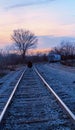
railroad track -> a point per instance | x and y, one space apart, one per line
32 106
62 83
7 84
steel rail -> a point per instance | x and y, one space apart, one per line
63 105
10 98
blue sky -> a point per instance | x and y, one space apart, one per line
51 20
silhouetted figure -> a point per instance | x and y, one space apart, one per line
29 64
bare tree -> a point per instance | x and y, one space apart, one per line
24 40
66 49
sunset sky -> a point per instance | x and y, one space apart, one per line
51 20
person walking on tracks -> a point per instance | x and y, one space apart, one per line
29 64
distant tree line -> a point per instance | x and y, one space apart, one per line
8 61
66 50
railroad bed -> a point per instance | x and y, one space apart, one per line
7 84
33 107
